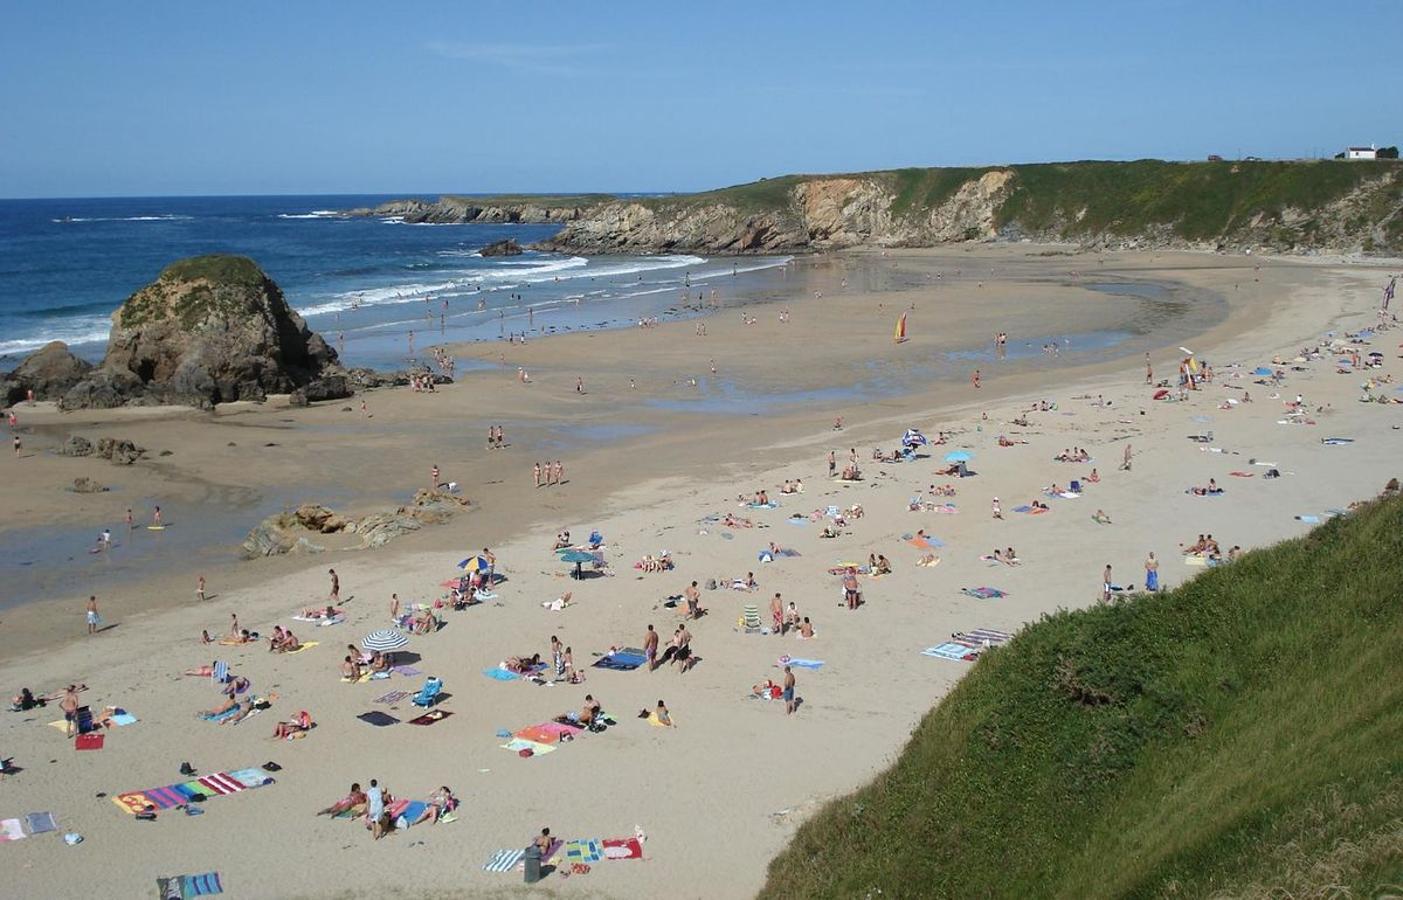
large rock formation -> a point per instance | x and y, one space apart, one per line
495 210
285 532
508 247
49 372
210 329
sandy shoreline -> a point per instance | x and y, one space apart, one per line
649 479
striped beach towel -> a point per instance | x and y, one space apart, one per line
181 887
584 851
221 672
503 860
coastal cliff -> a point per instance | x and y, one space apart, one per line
1301 207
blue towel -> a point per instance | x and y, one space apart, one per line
500 674
805 663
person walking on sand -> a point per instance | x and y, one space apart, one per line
19 448
335 595
131 522
789 704
1106 584
536 471
1151 573
998 513
433 477
200 589
776 613
974 379
559 472
579 385
832 463
93 618
156 517
1149 371
1125 460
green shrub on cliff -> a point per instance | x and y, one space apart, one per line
1239 735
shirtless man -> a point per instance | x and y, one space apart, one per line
850 589
335 586
789 705
69 705
93 617
832 463
777 614
650 648
693 601
684 648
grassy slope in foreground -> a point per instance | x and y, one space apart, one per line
1240 735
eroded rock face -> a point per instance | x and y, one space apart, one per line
86 485
49 372
211 329
121 451
509 247
285 532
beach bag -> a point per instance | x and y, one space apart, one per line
711 584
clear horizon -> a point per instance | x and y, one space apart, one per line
355 98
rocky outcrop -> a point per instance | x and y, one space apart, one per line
328 387
119 450
285 532
498 210
86 485
211 329
76 445
49 372
508 247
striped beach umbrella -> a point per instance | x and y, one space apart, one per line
475 564
384 640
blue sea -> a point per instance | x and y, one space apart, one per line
364 283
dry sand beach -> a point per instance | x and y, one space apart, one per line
651 465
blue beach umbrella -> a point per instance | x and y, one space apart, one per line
1262 372
958 456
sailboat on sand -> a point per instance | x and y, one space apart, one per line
900 336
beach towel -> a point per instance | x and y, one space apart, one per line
408 671
798 663
590 850
219 717
40 823
952 650
503 861
979 635
1023 509
220 673
431 718
378 719
516 745
984 593
123 718
90 741
560 728
11 830
1309 520
305 645
1336 441
539 734
622 848
392 697
621 661
182 887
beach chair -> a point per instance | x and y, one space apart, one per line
85 720
750 618
428 694
1074 487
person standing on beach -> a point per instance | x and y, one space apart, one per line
559 472
650 648
1106 584
1125 462
156 517
832 463
200 589
433 477
998 513
93 617
1149 371
789 704
693 598
579 385
335 595
537 473
974 379
1152 573
69 705
18 447
131 522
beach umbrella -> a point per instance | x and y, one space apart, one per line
384 640
475 564
913 437
958 456
579 558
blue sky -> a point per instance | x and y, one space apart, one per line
154 98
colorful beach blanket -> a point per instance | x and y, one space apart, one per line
431 718
983 593
173 795
953 650
625 660
11 830
589 850
516 745
622 848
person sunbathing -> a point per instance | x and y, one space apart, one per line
1101 517
228 704
522 664
766 690
731 521
952 469
1038 504
298 724
1010 557
589 712
441 802
806 629
379 662
244 708
422 621
1021 421
851 473
928 561
560 602
1094 477
356 797
829 532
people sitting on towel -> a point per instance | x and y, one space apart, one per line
522 664
952 469
1094 477
298 724
282 640
944 490
851 473
1038 504
440 803
761 498
589 712
25 701
422 621
379 662
350 668
1052 491
829 532
356 797
806 628
1210 490
1101 517
789 487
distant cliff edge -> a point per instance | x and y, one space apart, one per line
1301 207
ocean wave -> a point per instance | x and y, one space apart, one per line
314 214
165 217
76 331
